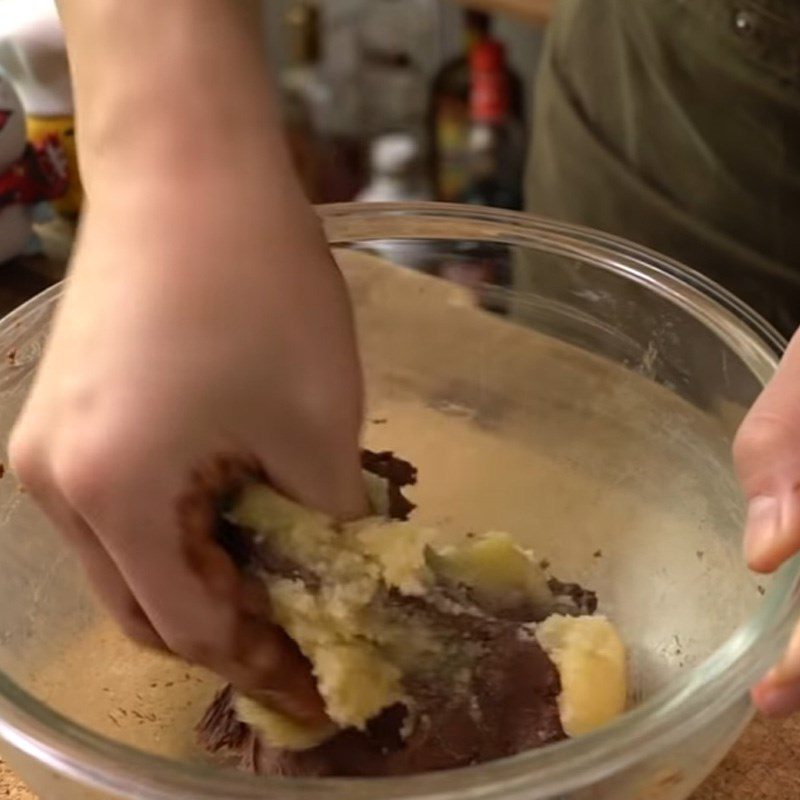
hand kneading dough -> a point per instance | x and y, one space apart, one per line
591 664
356 647
346 593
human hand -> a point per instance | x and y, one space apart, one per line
192 331
767 455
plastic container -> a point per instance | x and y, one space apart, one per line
593 421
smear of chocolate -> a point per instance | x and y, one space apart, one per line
397 473
212 487
221 729
511 707
572 599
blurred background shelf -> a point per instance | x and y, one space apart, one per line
354 72
537 12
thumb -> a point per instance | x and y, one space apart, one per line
767 457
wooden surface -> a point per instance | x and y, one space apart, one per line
11 787
764 765
537 12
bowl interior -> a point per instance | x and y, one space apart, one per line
589 412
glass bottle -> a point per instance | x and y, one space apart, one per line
496 143
448 119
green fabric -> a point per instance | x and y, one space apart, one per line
676 124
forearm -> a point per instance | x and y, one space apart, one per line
173 93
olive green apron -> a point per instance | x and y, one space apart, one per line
676 124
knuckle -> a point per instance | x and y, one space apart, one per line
88 466
80 475
25 458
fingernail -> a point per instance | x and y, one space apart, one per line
762 529
777 701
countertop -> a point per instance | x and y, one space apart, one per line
764 765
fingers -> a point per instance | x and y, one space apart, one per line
306 477
168 585
778 694
104 577
202 606
267 663
197 607
103 574
277 673
316 466
107 581
767 456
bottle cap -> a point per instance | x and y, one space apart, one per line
478 23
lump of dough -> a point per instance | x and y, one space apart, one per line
384 613
501 575
402 550
328 585
591 664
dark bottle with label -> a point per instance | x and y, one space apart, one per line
449 115
496 142
496 146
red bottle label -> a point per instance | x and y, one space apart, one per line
490 101
489 95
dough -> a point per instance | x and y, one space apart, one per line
427 656
590 659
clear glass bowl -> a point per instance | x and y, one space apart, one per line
589 412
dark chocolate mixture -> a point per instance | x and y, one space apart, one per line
510 706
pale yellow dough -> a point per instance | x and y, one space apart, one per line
590 659
356 648
501 574
360 645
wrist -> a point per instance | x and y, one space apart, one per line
217 217
213 210
168 86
